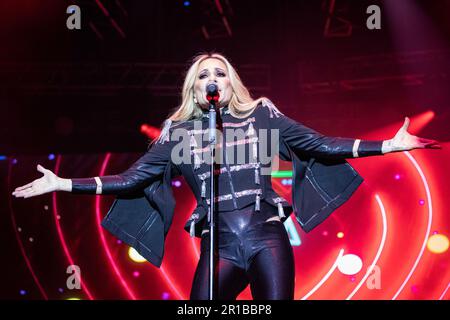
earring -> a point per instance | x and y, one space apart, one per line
195 100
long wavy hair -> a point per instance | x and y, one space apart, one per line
241 102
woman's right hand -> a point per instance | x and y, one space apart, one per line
48 183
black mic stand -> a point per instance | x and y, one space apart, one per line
212 146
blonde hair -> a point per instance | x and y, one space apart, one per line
241 102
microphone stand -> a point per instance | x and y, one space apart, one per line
212 145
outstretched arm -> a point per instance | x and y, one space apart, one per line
303 139
146 169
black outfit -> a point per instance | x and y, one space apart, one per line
251 251
322 181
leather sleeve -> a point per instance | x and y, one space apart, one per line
144 171
302 139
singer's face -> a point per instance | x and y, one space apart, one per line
212 71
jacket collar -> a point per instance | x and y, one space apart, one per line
223 111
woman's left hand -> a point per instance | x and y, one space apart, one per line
404 141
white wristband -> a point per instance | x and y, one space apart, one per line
99 185
355 148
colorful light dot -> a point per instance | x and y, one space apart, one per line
421 202
14 161
51 156
45 207
119 241
325 233
58 217
340 235
19 229
350 264
136 274
135 256
414 289
61 290
165 296
438 243
397 177
176 183
22 292
31 239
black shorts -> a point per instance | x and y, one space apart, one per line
242 234
251 251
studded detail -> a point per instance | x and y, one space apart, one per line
258 202
193 144
203 189
232 169
193 217
199 131
164 136
197 161
238 124
223 110
278 201
255 150
281 210
236 194
193 141
250 131
253 140
257 175
273 110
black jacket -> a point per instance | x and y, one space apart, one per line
142 212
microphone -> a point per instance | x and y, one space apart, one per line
212 92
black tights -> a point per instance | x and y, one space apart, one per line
251 251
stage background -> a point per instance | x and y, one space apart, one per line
75 100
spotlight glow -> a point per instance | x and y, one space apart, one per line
176 183
135 256
165 296
438 243
350 264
